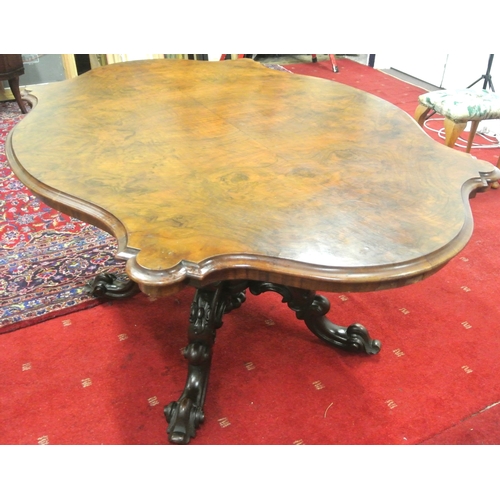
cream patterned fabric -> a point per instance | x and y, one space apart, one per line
463 105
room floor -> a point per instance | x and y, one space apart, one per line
306 58
285 59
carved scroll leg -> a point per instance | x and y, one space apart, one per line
186 415
209 305
312 308
110 286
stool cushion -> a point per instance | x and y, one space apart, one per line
463 105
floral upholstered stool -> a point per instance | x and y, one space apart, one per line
458 108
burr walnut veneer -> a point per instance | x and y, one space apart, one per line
227 176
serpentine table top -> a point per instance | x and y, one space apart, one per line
231 172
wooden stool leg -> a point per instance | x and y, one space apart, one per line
495 184
472 133
421 114
14 87
452 131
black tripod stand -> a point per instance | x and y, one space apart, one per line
487 77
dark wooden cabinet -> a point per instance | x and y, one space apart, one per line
11 68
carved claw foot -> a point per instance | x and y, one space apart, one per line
312 308
110 286
185 415
354 338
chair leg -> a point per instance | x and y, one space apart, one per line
333 61
452 131
14 87
335 68
472 133
421 114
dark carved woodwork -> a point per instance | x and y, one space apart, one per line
312 308
111 286
11 68
209 305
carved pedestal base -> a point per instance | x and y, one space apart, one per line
210 304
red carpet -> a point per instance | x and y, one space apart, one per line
103 375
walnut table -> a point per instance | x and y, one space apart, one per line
227 176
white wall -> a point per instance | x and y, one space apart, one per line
442 70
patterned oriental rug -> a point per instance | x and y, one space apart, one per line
46 258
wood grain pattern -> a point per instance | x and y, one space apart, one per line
229 170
